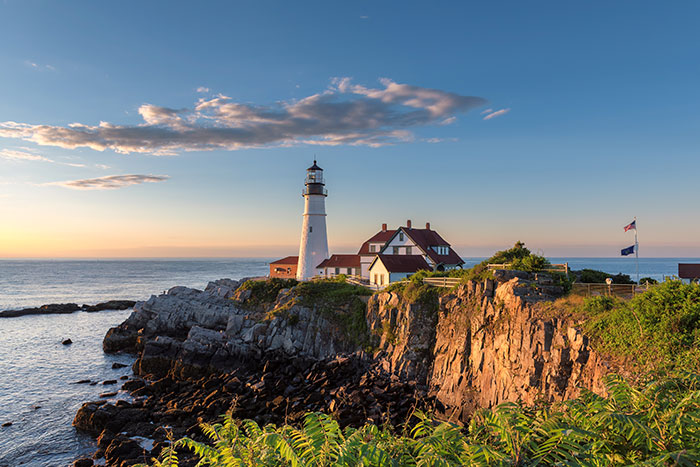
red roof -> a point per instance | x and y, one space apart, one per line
341 261
287 260
381 237
402 263
426 238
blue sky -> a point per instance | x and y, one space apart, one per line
599 123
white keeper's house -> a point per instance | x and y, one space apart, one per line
388 256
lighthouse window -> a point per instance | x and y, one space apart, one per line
311 228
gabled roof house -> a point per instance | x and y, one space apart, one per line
435 252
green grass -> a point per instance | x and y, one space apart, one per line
655 424
656 331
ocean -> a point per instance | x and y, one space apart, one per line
38 394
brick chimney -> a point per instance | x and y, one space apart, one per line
383 227
408 224
427 226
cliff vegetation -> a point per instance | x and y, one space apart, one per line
657 331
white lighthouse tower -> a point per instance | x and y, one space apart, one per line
314 240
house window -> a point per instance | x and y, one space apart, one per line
408 250
337 270
381 279
396 250
401 236
375 278
349 271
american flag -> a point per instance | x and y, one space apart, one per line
631 225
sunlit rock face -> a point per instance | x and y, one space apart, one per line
487 343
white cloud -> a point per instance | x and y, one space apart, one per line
344 114
202 89
486 111
497 113
21 156
109 182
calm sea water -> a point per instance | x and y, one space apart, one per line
37 373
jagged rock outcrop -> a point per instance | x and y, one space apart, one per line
189 330
404 334
488 343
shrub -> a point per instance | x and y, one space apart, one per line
592 276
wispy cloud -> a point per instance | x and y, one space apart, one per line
495 114
39 67
21 156
202 89
344 114
486 111
110 182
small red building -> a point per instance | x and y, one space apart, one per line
285 268
689 271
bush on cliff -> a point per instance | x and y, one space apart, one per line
657 330
592 276
656 424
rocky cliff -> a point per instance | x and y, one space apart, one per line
201 353
486 343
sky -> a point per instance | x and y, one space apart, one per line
182 129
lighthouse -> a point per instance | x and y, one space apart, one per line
313 248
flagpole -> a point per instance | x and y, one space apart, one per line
636 247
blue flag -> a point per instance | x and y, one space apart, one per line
627 251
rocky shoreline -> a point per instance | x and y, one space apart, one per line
66 308
201 354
